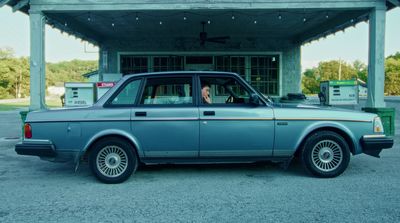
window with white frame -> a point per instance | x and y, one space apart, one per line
167 63
133 64
264 74
234 64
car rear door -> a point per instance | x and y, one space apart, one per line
166 120
236 128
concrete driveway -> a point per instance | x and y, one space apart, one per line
32 190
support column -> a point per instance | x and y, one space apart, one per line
376 61
103 62
37 61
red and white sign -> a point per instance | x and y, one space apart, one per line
105 84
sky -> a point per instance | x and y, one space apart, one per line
349 46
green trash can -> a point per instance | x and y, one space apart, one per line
387 116
23 118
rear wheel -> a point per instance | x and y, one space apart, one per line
113 160
325 154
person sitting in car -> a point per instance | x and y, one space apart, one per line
205 92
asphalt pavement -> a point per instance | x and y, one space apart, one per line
32 190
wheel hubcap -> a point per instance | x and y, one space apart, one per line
327 155
112 161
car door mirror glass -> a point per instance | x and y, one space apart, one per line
254 99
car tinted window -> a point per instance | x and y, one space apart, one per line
223 90
167 91
128 95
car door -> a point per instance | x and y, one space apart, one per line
166 120
232 127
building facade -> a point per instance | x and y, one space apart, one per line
259 39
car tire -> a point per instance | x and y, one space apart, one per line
113 160
325 154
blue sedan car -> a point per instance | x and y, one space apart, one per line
198 117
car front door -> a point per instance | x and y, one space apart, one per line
166 120
230 125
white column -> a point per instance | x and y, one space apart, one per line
376 61
37 61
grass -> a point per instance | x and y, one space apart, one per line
51 103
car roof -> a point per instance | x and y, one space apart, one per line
127 76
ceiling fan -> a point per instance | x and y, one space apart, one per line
204 38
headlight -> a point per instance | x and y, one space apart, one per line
378 127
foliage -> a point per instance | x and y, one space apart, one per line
6 52
14 73
392 76
68 71
14 77
329 70
396 56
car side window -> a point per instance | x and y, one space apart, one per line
223 90
167 91
128 95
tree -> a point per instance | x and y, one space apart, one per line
68 71
361 69
327 70
14 76
395 56
14 73
310 81
392 75
6 53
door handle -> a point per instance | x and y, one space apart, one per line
209 113
141 114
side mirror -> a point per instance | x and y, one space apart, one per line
254 99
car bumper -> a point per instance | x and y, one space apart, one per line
373 144
41 148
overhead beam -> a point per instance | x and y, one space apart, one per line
339 23
20 5
395 2
75 28
88 5
4 2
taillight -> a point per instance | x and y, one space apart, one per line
27 131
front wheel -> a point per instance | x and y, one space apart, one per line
325 154
113 160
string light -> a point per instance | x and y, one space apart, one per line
233 17
65 24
